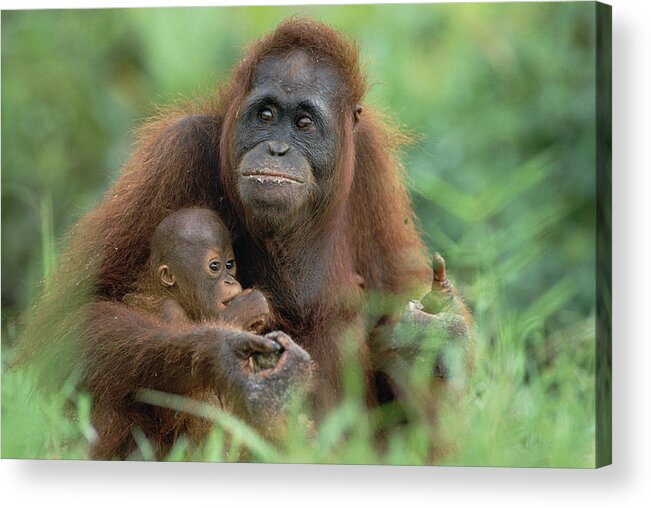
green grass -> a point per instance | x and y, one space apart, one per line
501 421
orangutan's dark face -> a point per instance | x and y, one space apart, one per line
286 139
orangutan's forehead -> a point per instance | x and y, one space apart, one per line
190 229
200 237
296 72
201 231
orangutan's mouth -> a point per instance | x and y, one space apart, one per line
225 303
271 177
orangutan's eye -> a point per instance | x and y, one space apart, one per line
304 122
230 264
214 266
266 115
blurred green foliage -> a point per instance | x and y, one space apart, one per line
500 102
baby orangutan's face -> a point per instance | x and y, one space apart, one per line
218 277
200 269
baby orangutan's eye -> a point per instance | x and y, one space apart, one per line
214 266
230 264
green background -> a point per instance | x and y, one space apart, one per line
499 100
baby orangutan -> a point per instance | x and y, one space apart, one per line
191 278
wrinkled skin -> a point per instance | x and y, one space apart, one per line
286 142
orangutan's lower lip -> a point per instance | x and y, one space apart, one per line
272 178
229 300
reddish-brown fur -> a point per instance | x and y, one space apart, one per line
363 246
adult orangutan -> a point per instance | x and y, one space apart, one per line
307 182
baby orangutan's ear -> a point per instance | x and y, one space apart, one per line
166 276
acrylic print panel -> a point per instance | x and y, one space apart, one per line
332 161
